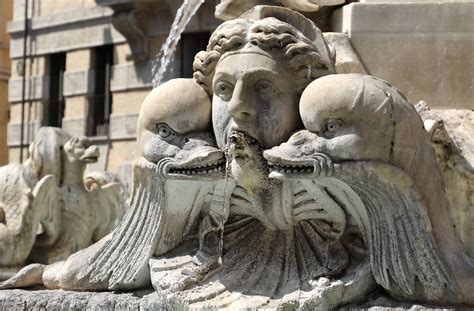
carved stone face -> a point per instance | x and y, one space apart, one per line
253 93
80 149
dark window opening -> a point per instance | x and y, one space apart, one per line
191 44
54 108
100 105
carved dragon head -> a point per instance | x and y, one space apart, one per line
173 132
53 149
80 150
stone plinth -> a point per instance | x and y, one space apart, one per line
425 49
53 300
65 300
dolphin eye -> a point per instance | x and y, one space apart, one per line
332 125
164 131
331 128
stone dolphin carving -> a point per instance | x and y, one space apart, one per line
173 147
363 132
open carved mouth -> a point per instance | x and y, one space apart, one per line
240 138
91 159
241 145
294 168
199 169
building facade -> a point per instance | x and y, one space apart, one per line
89 62
5 16
88 68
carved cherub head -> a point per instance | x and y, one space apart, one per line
275 31
256 67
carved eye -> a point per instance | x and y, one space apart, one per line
84 142
265 87
332 125
164 131
224 90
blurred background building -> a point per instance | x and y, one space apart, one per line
87 63
88 67
5 16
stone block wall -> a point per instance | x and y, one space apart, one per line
425 48
77 27
422 47
5 16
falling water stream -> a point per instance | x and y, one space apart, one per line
163 58
226 207
184 14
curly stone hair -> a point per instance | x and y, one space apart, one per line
281 40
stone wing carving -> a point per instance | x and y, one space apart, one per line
109 204
48 200
18 216
123 258
397 229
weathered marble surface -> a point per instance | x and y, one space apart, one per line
47 210
428 56
293 187
451 133
149 300
230 9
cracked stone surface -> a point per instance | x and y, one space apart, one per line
53 300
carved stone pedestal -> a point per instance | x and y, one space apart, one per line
147 300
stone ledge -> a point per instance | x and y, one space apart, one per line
13 133
55 20
66 37
78 82
384 18
131 76
36 88
64 300
427 58
53 300
122 127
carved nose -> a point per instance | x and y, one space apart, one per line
240 110
240 107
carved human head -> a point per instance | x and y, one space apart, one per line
256 67
169 115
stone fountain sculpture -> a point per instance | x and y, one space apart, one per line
295 187
47 213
